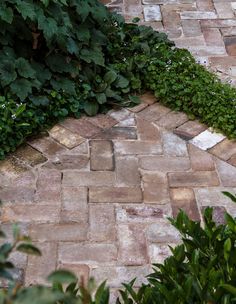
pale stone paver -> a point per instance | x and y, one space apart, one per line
95 193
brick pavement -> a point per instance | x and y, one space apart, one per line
206 27
95 193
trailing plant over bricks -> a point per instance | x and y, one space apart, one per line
66 57
201 270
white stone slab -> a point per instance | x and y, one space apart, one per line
152 13
207 139
198 15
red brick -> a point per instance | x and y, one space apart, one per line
65 162
200 160
213 37
184 198
93 178
132 245
129 147
81 126
38 268
29 156
127 172
66 137
102 121
164 163
227 173
101 155
117 133
58 232
225 149
48 187
115 195
190 129
153 112
93 253
139 214
155 188
147 131
102 223
13 194
30 213
193 179
47 146
172 120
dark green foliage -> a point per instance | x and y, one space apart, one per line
66 57
201 270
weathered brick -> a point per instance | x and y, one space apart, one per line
38 268
232 160
213 37
48 187
119 115
205 5
132 245
173 145
11 168
58 232
102 223
92 253
102 121
147 131
93 178
29 156
115 195
224 10
118 133
172 120
127 172
227 173
138 108
191 28
198 15
164 163
129 147
190 129
47 146
193 179
139 214
162 232
30 213
81 126
225 149
65 162
101 155
200 160
152 13
158 253
66 137
184 198
155 188
153 112
19 195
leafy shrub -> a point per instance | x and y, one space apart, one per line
65 57
200 270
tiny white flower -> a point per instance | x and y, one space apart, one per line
13 116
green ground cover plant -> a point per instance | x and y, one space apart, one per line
67 57
201 270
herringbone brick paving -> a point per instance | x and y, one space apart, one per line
95 193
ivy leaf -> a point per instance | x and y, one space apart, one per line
83 10
7 73
121 82
83 33
24 68
40 100
48 26
101 98
45 2
72 46
6 13
91 108
22 88
26 9
62 277
65 85
29 249
110 77
95 56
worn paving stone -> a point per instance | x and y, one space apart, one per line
127 171
102 121
66 162
164 163
207 139
137 147
29 156
183 198
227 173
200 160
225 149
117 133
92 178
102 158
172 120
153 112
193 179
173 145
66 137
190 129
147 131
